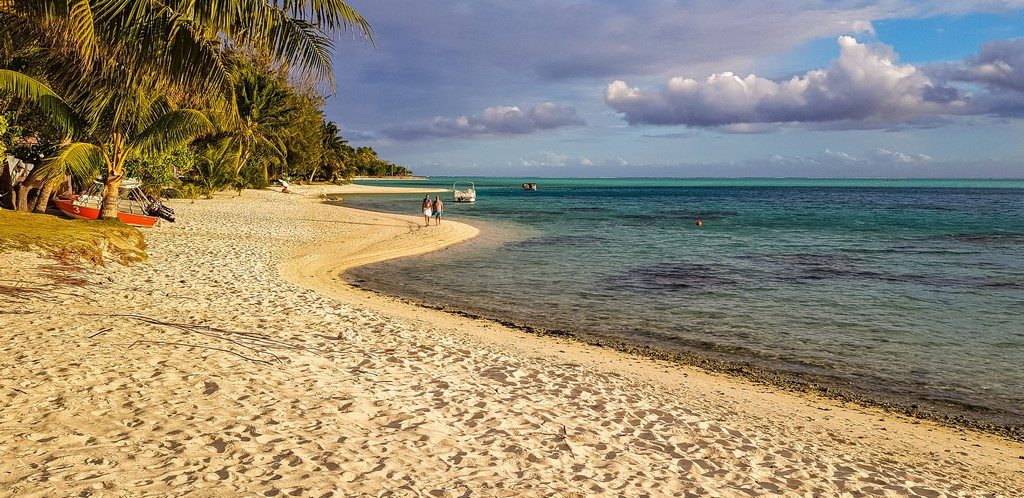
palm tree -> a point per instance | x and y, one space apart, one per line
263 107
333 147
139 124
214 164
148 126
122 66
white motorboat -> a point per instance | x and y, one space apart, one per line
467 194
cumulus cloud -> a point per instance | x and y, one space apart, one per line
494 121
552 159
877 157
865 84
565 162
891 156
999 64
875 163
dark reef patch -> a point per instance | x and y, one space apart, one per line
672 277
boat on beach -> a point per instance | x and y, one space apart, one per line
467 194
134 207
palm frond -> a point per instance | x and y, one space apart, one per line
83 29
190 56
333 15
170 130
25 87
79 160
300 43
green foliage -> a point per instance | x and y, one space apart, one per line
302 141
79 160
161 175
189 97
32 90
185 191
113 74
366 163
214 165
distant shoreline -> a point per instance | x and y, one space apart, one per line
376 178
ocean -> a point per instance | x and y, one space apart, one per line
904 293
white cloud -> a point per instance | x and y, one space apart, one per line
999 64
838 156
493 121
861 26
890 156
877 157
865 84
547 159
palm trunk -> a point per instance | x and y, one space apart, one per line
243 157
43 199
21 201
24 190
8 195
115 173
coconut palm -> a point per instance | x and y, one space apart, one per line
264 107
122 67
330 148
214 165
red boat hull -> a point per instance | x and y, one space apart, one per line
87 213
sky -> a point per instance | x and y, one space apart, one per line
549 88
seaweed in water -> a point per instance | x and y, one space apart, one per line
694 214
560 240
679 276
990 238
807 266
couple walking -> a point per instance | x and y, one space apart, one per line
435 209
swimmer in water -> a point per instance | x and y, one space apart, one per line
699 223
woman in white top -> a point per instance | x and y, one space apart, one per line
428 209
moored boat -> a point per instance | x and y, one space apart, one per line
465 195
133 206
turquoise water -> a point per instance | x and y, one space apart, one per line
906 291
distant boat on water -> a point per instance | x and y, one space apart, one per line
467 194
529 186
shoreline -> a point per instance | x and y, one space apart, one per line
747 367
215 373
737 371
377 178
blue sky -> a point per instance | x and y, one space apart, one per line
688 88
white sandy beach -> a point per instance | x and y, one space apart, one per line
237 362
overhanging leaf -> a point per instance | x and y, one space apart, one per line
170 130
25 87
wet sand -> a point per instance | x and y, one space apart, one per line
237 361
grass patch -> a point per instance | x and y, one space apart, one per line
71 241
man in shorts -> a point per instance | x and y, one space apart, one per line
438 208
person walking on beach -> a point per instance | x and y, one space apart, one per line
428 210
438 208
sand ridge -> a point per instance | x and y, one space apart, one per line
221 372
